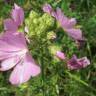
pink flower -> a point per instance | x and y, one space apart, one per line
14 54
60 55
17 18
75 63
68 24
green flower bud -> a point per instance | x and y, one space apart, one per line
48 20
54 48
33 15
35 21
23 86
51 35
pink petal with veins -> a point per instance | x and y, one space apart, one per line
24 70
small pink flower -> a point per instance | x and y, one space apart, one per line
17 18
60 55
14 54
75 63
66 23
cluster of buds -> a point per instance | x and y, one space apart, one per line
39 25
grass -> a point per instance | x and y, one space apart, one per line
55 79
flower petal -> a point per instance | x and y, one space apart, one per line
60 55
74 33
24 70
64 21
47 8
9 63
75 63
4 46
72 22
61 18
10 25
84 61
15 39
5 55
18 14
12 44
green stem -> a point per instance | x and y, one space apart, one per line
42 70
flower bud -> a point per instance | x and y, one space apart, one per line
51 35
54 48
60 55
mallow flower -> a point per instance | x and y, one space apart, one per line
75 63
68 24
14 51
